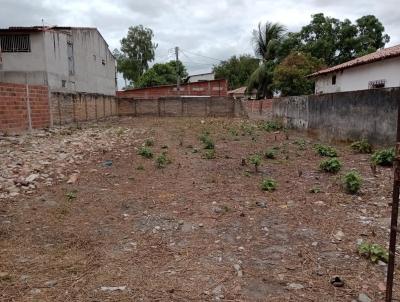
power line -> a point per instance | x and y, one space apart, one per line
196 54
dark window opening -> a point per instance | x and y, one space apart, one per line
15 43
334 80
377 84
71 63
103 62
63 83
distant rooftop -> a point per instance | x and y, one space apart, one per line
378 55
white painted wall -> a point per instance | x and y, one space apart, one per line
201 77
358 78
47 63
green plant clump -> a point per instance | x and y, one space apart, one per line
162 161
325 150
352 182
373 251
207 141
71 195
361 146
301 143
145 152
270 153
331 165
268 184
209 154
383 157
255 160
270 126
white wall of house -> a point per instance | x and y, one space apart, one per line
359 77
48 63
201 77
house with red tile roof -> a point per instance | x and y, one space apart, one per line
380 69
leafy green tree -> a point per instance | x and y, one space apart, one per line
162 74
290 75
236 70
267 40
336 41
370 34
137 50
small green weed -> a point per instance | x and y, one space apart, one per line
209 154
352 182
301 143
270 153
140 167
71 195
207 141
373 252
268 184
162 160
331 165
270 126
325 150
383 157
145 152
361 146
255 160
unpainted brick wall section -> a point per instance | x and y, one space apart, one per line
207 88
80 107
181 106
23 107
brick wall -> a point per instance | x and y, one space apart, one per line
22 107
80 107
206 88
181 106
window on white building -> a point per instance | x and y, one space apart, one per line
377 84
334 80
15 43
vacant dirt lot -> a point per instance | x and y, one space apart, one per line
196 230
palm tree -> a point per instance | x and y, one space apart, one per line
267 39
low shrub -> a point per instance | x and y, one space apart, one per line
209 154
270 126
207 141
324 150
331 165
301 143
268 184
255 160
352 182
315 190
162 161
373 252
145 152
270 153
361 146
383 157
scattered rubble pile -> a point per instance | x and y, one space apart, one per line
47 157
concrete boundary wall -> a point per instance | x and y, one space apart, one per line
369 114
181 106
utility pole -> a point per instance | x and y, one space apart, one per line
178 79
395 213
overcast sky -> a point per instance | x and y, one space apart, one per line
212 28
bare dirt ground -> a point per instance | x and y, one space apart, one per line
198 229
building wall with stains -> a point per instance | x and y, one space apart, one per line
66 59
